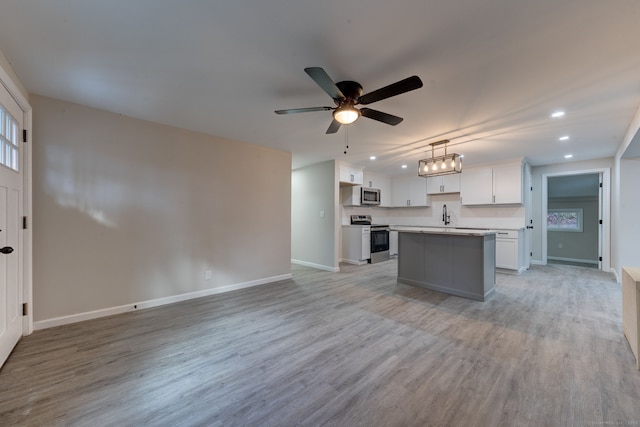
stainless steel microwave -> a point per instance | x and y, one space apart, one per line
369 196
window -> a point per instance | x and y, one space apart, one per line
564 220
9 146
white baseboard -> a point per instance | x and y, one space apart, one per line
353 261
79 317
583 261
536 262
615 273
314 265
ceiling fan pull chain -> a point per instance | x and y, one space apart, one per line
346 139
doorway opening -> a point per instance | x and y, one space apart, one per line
574 215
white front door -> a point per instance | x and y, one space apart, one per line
11 117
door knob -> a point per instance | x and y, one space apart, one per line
6 250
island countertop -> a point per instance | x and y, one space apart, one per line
443 230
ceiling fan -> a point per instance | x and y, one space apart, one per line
347 94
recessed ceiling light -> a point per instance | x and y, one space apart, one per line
568 156
404 166
563 138
557 114
372 158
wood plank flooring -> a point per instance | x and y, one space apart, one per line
350 349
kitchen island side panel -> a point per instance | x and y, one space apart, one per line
411 267
474 265
439 251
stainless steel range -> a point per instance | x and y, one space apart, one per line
379 237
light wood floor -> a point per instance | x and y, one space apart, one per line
351 349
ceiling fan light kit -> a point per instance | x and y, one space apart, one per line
347 94
346 114
441 165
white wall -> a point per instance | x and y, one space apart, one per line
628 254
537 174
315 238
6 67
127 210
625 232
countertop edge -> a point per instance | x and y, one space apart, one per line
450 231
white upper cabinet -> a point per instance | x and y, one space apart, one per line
351 175
381 182
443 184
409 192
507 184
492 186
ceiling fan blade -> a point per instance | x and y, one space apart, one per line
333 127
380 116
303 110
397 88
324 81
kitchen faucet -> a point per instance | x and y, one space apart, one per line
446 218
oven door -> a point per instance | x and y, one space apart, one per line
379 245
379 240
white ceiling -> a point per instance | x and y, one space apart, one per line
493 70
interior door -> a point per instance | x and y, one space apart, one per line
11 117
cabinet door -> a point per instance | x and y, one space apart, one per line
507 253
451 183
418 191
476 187
434 185
351 175
507 184
401 193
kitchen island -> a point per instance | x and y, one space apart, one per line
459 262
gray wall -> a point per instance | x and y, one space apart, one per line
583 245
314 238
127 210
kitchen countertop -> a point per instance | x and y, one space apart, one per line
443 230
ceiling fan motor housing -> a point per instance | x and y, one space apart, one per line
351 91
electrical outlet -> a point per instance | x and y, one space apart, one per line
559 245
208 275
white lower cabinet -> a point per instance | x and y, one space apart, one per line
356 244
510 250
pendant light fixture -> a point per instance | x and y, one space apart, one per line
441 165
